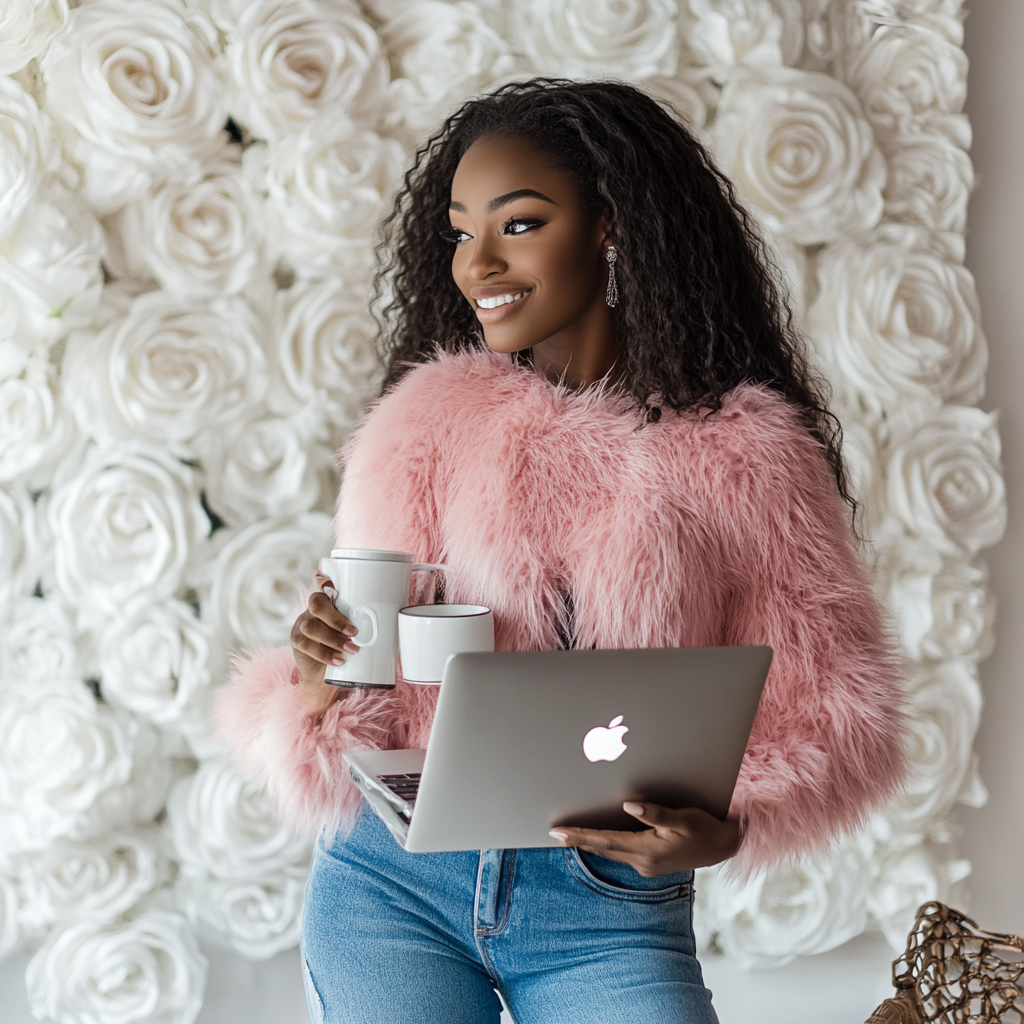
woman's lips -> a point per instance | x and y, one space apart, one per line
492 316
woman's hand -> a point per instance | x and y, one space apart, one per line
321 636
676 841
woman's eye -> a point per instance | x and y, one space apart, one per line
454 236
516 226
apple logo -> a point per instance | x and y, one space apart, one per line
601 744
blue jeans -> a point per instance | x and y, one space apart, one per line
395 937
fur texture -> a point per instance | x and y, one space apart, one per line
693 531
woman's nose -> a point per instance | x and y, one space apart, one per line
485 258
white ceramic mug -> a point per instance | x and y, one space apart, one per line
369 588
428 634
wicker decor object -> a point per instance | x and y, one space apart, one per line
953 972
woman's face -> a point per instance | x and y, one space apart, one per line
528 257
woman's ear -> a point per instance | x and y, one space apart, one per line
604 227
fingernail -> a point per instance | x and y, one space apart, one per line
337 660
555 834
351 648
631 808
350 631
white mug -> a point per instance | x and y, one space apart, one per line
370 587
428 634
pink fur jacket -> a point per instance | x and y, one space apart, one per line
692 531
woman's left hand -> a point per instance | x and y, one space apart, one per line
676 841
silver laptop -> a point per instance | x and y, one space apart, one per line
525 741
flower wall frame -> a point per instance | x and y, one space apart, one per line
188 196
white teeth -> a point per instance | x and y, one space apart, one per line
498 300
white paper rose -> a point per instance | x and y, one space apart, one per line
943 714
145 971
35 429
243 871
261 575
798 147
944 483
18 565
930 183
27 154
326 190
895 323
50 276
272 467
39 643
323 351
290 59
441 53
793 911
198 235
907 876
171 369
10 915
764 33
132 85
154 660
72 767
944 608
687 94
906 71
93 882
597 38
26 28
124 526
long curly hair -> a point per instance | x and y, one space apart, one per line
701 307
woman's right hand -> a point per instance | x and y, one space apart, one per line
321 636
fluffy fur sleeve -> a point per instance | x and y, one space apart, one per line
385 502
827 743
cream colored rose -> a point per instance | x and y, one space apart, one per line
18 549
154 660
764 33
124 526
93 882
894 322
132 86
71 767
26 28
27 154
688 93
10 915
147 970
198 235
323 351
798 147
904 72
799 909
40 642
597 38
290 59
942 719
171 369
944 483
50 276
930 183
261 576
441 53
274 466
327 188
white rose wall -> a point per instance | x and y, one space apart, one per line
188 199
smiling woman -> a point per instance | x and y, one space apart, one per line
521 441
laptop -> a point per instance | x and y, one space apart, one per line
523 741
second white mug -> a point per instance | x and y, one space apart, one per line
429 633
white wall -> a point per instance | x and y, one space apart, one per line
994 835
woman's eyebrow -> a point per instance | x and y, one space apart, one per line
508 197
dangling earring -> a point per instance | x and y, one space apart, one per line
611 297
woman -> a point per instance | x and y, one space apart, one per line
598 415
